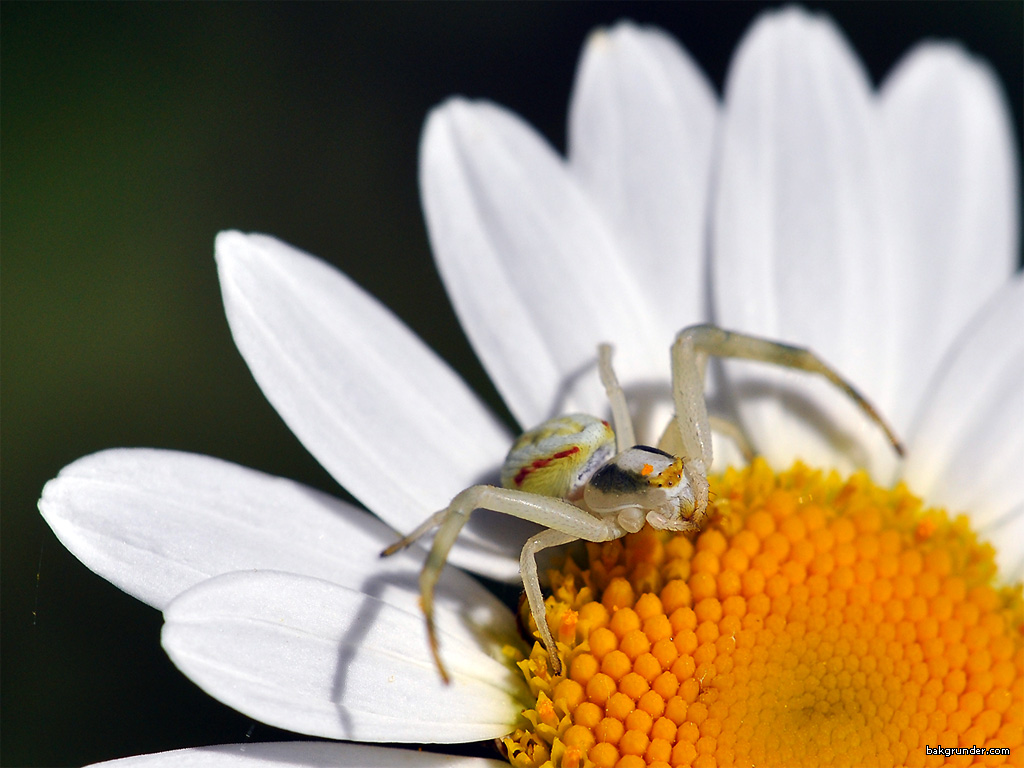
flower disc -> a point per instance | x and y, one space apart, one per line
815 621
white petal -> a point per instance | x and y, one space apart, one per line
531 268
968 449
375 406
298 754
319 659
798 246
155 523
952 201
641 137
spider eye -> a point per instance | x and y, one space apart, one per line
670 476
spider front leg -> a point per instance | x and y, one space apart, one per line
625 437
568 522
692 347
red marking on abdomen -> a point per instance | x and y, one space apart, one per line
523 473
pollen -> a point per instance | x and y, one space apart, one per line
816 620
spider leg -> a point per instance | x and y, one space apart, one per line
531 584
711 340
547 511
671 442
688 364
418 532
625 437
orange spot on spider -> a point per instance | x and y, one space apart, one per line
647 469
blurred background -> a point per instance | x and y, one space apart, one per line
132 133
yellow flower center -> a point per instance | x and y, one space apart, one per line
815 621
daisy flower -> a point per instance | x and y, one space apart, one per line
839 607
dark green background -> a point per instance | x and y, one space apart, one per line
131 134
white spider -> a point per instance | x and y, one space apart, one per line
580 480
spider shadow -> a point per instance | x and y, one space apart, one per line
650 402
404 576
560 402
844 441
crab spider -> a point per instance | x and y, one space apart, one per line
580 480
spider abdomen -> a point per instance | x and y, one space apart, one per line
559 457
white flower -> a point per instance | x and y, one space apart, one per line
877 228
